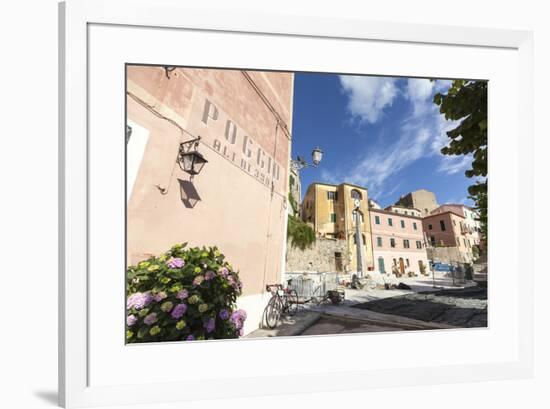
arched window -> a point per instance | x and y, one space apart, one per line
355 194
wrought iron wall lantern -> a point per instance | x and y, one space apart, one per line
300 163
189 158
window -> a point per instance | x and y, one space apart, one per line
442 224
332 195
418 244
379 241
432 240
406 212
458 241
402 224
465 243
414 226
408 264
430 227
454 222
377 219
333 217
355 194
406 244
390 221
392 242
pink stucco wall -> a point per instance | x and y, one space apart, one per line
242 199
453 235
399 233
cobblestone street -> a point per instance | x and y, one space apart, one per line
422 307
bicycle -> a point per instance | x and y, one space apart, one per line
335 297
283 300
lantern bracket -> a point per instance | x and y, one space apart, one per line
190 144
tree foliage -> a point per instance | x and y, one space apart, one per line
466 102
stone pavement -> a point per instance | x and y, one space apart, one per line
373 309
464 308
289 326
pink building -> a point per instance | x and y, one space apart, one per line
398 243
447 228
470 222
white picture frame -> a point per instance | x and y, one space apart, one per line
76 18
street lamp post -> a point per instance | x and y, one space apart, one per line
358 239
300 163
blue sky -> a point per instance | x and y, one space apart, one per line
383 133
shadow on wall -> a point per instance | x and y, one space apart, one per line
189 195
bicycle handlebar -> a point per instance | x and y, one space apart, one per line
268 287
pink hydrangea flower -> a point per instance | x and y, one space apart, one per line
210 325
182 294
178 311
139 300
151 318
238 318
175 262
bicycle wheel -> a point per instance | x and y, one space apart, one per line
292 302
272 312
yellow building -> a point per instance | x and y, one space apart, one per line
333 210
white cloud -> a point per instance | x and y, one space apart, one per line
377 166
442 85
454 164
328 177
419 89
421 135
420 92
368 96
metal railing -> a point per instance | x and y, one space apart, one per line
311 284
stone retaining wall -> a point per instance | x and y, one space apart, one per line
320 257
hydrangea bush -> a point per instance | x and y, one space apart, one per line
183 294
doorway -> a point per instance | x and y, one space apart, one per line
401 265
338 262
381 267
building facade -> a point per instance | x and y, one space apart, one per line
471 219
407 211
422 199
238 202
398 243
448 229
333 211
